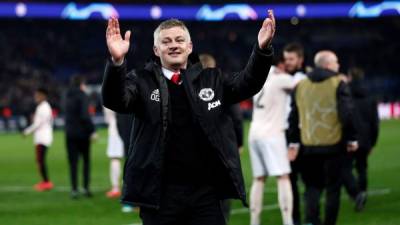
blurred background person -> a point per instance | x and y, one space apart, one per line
366 121
208 61
115 151
42 129
322 119
79 129
293 56
267 144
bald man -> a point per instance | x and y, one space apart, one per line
322 105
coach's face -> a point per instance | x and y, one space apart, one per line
173 47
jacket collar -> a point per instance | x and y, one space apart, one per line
192 72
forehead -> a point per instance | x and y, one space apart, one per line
172 32
290 54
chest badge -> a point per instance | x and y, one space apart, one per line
206 94
155 95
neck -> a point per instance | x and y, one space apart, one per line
176 67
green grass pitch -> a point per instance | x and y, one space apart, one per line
21 205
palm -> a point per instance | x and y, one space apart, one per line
117 46
267 31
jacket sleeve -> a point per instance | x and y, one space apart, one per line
85 118
119 90
345 109
237 119
374 123
294 130
250 80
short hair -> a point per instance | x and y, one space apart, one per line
43 91
77 80
322 58
296 48
356 73
169 24
278 58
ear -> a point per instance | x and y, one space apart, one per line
156 51
190 47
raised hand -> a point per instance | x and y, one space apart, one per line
267 31
117 46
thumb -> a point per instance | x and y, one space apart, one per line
127 35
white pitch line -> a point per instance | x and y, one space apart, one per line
375 192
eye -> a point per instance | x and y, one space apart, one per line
165 41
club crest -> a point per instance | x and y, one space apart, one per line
206 94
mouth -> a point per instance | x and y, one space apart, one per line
174 54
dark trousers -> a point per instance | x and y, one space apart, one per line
361 158
322 172
76 148
349 181
41 151
294 178
182 205
226 209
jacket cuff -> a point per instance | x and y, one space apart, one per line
112 64
269 51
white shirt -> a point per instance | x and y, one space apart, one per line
297 77
42 126
269 106
168 74
110 118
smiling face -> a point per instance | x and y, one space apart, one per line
173 46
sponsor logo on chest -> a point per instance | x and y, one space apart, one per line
212 105
155 95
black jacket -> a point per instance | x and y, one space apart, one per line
365 116
237 119
145 93
345 112
78 123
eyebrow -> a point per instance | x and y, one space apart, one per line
180 36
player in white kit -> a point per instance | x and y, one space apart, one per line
115 151
42 129
267 144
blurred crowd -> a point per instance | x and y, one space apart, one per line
50 52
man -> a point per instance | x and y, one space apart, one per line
293 54
115 151
267 143
183 158
321 118
208 61
42 129
79 129
367 125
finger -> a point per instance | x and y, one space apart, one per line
272 17
114 26
266 22
117 26
127 35
108 30
111 26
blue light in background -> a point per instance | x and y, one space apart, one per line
75 11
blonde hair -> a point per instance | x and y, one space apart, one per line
169 24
